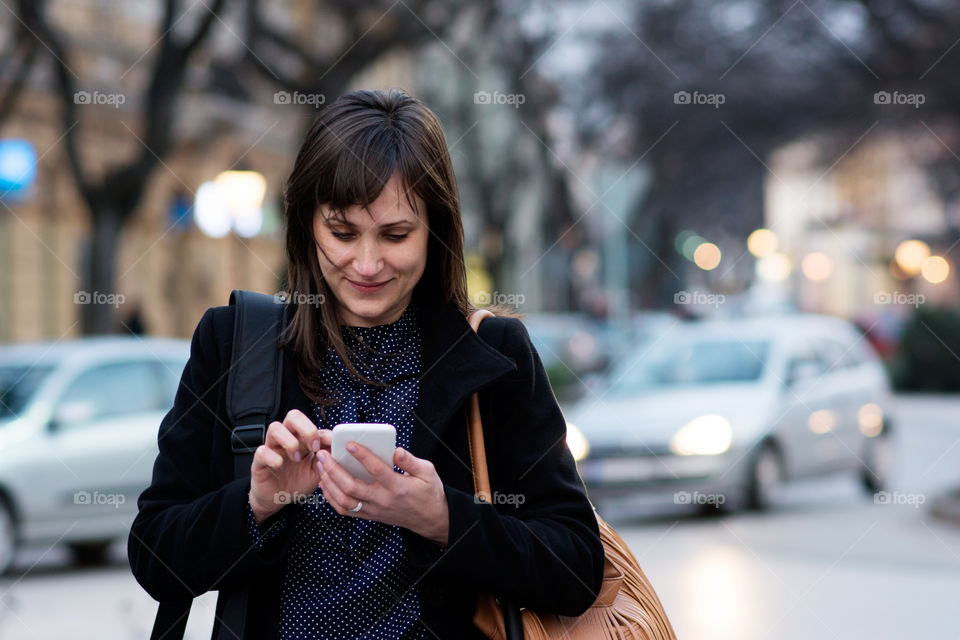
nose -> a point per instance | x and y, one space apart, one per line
367 262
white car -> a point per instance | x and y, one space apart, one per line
723 412
78 437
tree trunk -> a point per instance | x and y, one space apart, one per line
98 298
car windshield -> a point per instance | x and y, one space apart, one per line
17 385
689 363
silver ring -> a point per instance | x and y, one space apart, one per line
357 508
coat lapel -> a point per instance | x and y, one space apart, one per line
456 363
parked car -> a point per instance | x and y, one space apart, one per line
723 412
78 437
569 340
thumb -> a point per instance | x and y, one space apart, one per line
409 463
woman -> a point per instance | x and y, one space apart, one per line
377 333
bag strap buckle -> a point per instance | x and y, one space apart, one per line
246 438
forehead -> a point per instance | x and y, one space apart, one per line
394 204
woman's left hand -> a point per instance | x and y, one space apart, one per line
414 499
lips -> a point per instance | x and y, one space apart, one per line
367 287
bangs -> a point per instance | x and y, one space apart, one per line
360 169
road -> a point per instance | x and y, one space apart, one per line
826 563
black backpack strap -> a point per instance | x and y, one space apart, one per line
254 380
253 397
171 620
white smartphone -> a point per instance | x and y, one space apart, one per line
380 438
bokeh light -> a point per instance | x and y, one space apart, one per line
707 256
935 269
774 268
910 255
762 242
817 266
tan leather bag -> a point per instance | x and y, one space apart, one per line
627 607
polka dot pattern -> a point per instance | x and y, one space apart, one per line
348 577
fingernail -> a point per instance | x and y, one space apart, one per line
403 454
296 456
352 448
320 467
316 445
323 456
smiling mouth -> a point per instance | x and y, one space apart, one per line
367 286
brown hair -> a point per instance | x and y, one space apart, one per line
351 151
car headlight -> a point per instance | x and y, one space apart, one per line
704 436
577 442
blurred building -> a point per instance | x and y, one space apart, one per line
167 268
838 225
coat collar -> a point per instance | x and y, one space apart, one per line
456 363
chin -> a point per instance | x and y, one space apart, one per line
369 310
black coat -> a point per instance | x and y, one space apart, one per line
190 535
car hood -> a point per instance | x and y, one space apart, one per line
651 418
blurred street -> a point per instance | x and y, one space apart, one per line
826 563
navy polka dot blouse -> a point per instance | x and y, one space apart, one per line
348 577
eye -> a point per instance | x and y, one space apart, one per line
397 237
339 235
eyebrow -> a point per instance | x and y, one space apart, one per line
347 223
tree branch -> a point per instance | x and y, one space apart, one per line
32 12
29 56
167 78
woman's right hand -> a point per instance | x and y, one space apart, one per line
284 466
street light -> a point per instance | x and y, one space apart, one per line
935 269
762 242
910 256
233 200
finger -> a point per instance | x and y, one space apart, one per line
326 438
341 502
266 458
412 465
304 429
374 465
342 478
280 439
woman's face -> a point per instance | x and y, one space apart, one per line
372 259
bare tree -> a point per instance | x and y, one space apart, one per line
784 70
372 30
113 198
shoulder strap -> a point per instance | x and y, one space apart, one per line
478 453
512 621
253 397
255 377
